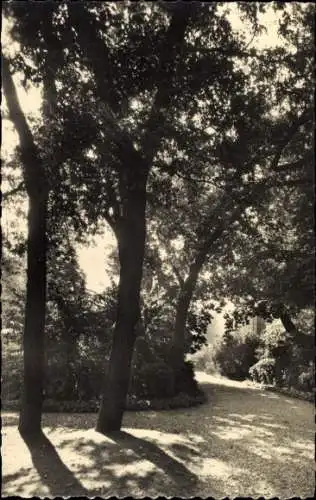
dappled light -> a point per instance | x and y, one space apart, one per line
239 443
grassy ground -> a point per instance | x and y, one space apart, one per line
243 442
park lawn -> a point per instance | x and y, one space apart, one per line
243 442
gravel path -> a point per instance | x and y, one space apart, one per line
243 442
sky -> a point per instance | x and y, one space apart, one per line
92 258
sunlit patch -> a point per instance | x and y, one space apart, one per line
202 377
269 395
163 438
232 433
138 468
218 469
303 445
249 417
274 426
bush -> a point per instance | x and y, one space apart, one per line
263 371
185 380
160 380
235 356
203 359
78 380
306 379
153 380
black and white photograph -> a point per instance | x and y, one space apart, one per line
158 272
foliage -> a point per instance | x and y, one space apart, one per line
153 380
236 355
306 379
197 323
204 359
263 371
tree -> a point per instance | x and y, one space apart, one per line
35 155
37 190
282 165
132 173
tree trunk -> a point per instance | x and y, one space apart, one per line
33 339
185 296
288 323
304 341
131 243
37 190
70 337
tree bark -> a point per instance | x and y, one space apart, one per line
183 305
131 242
301 339
177 350
33 338
288 323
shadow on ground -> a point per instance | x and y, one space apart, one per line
241 443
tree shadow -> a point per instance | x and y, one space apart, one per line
179 474
53 472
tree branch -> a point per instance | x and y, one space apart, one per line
169 52
33 168
303 118
98 60
5 196
178 275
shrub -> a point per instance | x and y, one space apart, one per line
263 371
204 359
78 380
306 379
153 380
235 356
185 380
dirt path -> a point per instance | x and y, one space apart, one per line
243 442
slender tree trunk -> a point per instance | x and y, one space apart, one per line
183 305
37 190
288 323
131 242
186 294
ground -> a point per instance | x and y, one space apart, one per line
243 442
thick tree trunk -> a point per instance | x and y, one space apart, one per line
131 242
304 341
37 190
33 339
